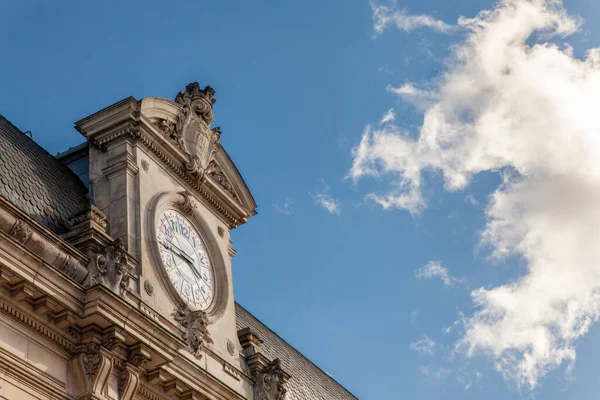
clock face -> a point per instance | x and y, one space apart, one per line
185 259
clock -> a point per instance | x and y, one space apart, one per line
185 259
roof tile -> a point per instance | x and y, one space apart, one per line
35 181
308 382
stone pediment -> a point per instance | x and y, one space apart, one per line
179 133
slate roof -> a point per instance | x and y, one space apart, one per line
308 382
36 182
39 184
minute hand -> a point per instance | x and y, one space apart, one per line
181 253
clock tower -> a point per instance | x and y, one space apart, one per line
171 195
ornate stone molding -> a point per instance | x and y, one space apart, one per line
250 341
139 355
93 216
35 325
21 232
42 243
195 329
144 392
216 173
68 266
184 174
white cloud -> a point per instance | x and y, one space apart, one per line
424 346
413 316
389 116
384 16
526 108
435 373
324 199
420 98
286 207
435 270
471 200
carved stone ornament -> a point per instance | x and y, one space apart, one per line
93 215
21 232
100 270
187 205
110 267
216 173
270 382
193 131
195 329
95 366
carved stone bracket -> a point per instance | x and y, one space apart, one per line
195 329
269 377
250 341
139 355
129 381
100 351
170 385
270 382
94 365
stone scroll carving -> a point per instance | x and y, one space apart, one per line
270 382
110 267
94 367
129 381
192 129
195 329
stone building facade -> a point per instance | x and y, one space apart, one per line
115 266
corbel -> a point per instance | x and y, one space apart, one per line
7 276
93 366
22 290
191 395
269 376
63 319
44 305
129 381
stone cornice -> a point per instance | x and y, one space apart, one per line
42 329
124 120
164 340
41 242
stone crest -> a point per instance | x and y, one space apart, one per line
193 132
195 329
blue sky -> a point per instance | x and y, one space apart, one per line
447 252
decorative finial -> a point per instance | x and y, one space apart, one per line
199 100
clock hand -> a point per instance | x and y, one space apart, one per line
188 260
181 253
